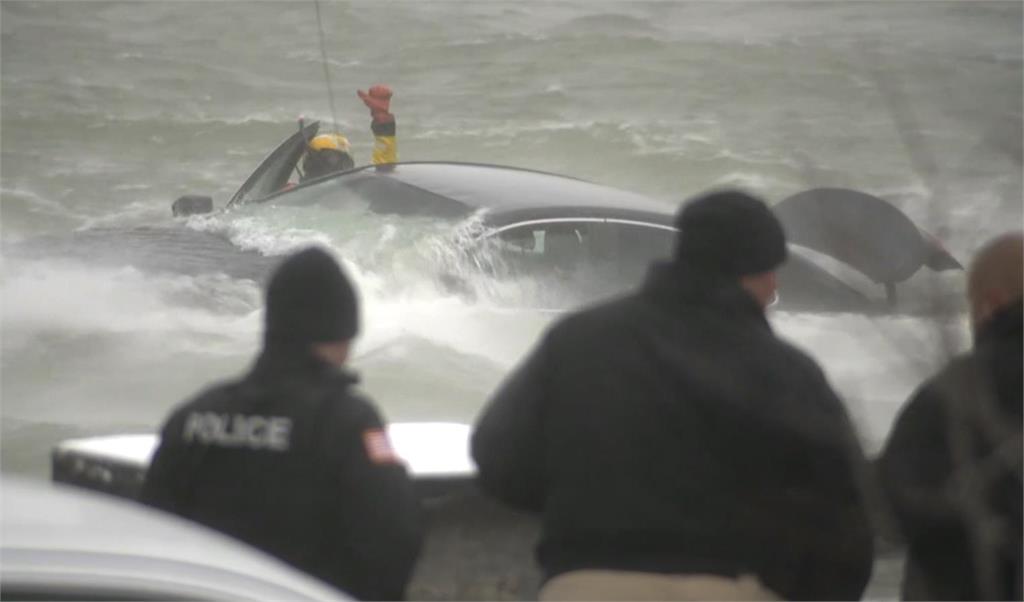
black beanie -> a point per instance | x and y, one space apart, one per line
729 233
309 300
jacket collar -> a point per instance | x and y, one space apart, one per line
283 362
677 288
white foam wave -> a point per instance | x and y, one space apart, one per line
86 166
282 116
137 212
508 129
259 233
68 299
421 309
128 187
750 181
314 56
36 202
874 362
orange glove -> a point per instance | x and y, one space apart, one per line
378 100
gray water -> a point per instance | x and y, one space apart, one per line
109 111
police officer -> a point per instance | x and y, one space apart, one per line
289 457
674 446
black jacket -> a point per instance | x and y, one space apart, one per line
925 461
671 431
292 461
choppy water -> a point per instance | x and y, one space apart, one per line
111 110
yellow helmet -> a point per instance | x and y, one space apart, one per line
330 141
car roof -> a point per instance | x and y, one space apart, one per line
509 194
54 534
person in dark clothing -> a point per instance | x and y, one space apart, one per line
674 446
952 464
290 458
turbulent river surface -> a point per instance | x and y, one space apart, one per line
111 110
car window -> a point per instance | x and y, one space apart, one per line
636 246
578 260
548 247
522 241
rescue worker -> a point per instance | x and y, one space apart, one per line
675 448
326 153
289 457
952 464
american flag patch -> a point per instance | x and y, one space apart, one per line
378 447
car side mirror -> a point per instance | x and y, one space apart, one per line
192 204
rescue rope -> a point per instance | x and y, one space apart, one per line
323 60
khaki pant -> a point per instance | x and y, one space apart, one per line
629 585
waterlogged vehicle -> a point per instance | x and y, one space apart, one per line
566 241
848 251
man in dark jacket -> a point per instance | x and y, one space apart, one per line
290 458
952 465
674 446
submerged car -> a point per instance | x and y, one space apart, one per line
64 543
848 251
576 241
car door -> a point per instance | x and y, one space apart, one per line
272 174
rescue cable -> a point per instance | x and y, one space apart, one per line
327 72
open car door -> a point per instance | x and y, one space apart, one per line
863 231
272 174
